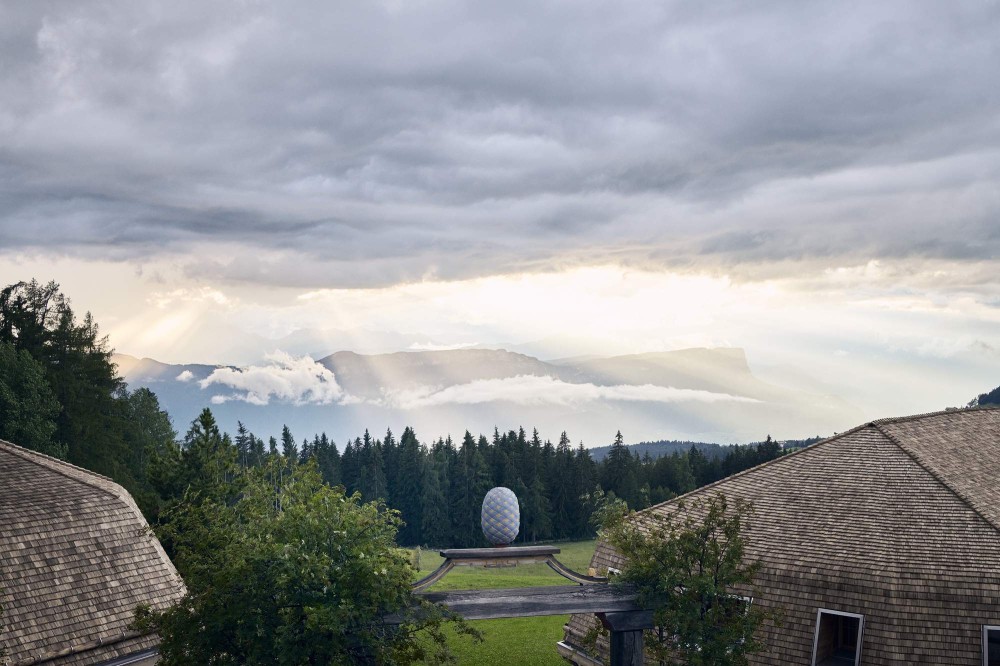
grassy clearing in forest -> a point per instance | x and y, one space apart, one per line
527 640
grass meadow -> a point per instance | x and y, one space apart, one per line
527 640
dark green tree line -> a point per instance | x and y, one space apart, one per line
60 393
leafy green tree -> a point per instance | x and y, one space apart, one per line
690 565
28 407
291 575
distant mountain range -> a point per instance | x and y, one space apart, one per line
670 447
703 395
662 448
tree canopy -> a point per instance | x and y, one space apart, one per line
293 572
28 408
60 393
984 399
690 565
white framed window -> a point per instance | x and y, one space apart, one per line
991 645
837 641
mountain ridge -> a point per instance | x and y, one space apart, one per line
695 394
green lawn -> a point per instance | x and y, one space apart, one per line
526 640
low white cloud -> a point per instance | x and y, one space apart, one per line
298 380
185 376
535 390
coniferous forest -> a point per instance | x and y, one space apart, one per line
60 394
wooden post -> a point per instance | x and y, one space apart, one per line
626 635
626 648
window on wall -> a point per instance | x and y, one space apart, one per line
991 646
838 638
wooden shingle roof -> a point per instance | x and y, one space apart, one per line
76 558
898 520
961 448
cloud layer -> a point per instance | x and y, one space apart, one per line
303 381
284 378
532 390
333 144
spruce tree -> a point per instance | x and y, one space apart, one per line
435 523
77 364
257 453
373 480
561 485
409 498
618 472
328 460
584 485
243 444
349 468
288 448
28 407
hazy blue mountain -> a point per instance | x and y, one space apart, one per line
663 448
369 374
702 395
670 447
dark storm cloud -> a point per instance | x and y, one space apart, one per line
354 144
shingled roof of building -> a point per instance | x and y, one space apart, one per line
897 520
76 559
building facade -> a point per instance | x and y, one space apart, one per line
880 545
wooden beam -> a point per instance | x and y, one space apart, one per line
499 552
630 621
576 577
534 601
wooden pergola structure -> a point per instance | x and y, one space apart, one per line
616 607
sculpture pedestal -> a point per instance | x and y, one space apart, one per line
504 556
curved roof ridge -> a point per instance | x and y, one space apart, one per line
71 471
773 461
927 468
99 482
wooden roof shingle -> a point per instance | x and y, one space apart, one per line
898 520
76 558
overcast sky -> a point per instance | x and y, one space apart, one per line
816 182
